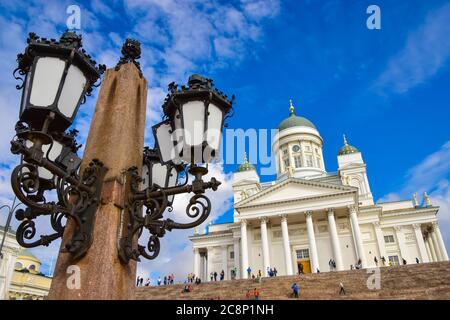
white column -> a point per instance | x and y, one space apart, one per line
209 269
433 251
225 261
265 245
244 249
357 235
427 246
440 240
380 242
335 240
312 243
401 244
236 257
286 246
421 244
196 262
436 246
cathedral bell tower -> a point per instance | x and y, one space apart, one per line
352 171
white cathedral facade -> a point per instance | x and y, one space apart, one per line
308 216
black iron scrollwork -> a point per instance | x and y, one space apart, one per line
154 199
76 197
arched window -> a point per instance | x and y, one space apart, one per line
18 265
32 267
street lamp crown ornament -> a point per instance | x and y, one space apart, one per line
131 52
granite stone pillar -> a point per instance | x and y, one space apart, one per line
116 138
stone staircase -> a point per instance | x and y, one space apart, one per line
419 281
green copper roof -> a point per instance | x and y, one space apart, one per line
245 166
295 121
26 253
347 149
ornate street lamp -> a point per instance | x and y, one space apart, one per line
190 136
56 77
193 131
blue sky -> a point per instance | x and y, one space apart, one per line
387 89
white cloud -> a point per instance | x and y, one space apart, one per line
426 51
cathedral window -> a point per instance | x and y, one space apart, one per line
319 165
302 254
285 152
389 239
231 254
298 161
286 163
309 161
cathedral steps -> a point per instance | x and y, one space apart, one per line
418 281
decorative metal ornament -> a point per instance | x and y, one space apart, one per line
155 200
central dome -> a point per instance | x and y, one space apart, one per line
295 121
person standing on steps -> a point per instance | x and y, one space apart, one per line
383 260
249 272
259 274
375 260
222 275
275 271
417 260
256 294
295 290
330 264
341 290
248 295
215 276
404 261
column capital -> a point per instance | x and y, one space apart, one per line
330 211
352 208
376 224
416 226
308 213
264 219
244 221
435 224
398 228
283 217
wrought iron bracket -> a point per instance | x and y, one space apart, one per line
77 198
154 199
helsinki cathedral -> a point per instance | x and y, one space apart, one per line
309 216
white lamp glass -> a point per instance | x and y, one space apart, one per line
159 174
164 137
46 81
72 91
194 123
214 133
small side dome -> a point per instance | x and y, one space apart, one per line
347 149
294 120
245 166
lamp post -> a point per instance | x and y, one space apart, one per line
56 77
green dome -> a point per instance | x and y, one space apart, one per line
245 166
347 149
294 120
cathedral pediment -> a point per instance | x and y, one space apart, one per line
295 189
